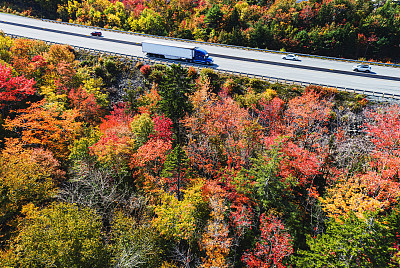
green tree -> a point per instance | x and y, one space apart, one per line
275 193
233 20
348 242
174 168
175 88
261 37
213 17
393 222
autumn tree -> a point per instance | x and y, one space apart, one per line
61 235
180 222
274 247
6 43
116 141
24 52
153 142
27 176
360 194
384 130
216 241
176 219
376 186
220 133
13 89
43 125
86 104
306 119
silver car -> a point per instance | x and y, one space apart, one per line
290 57
362 68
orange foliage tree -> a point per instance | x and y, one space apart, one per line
43 125
117 140
23 51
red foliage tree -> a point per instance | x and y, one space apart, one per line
270 115
299 163
162 128
86 104
306 118
119 117
146 70
13 89
114 146
221 133
151 155
274 246
384 130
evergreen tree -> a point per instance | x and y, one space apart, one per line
175 88
174 168
213 17
233 20
348 242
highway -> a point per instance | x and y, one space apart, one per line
310 70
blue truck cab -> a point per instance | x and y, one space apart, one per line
201 56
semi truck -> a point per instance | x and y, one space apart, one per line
167 50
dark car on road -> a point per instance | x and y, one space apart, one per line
95 33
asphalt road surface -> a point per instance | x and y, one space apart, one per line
310 70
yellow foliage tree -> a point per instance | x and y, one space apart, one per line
61 235
177 219
26 176
216 242
350 195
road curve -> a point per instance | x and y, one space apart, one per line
311 70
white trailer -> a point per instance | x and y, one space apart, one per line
174 51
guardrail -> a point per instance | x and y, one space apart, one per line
223 45
374 95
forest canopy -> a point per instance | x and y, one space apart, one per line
106 162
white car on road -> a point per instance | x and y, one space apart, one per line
362 68
290 57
